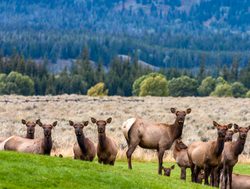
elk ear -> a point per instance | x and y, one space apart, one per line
38 122
215 124
54 123
173 110
163 168
93 120
188 111
236 126
23 122
109 120
172 167
85 123
71 123
230 125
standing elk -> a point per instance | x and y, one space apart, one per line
230 156
35 146
181 157
84 148
167 171
106 148
159 136
207 155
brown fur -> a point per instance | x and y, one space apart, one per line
167 171
84 148
35 146
106 148
230 156
181 157
207 155
240 181
159 136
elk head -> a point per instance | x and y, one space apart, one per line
180 115
229 134
30 127
101 124
78 127
242 131
222 129
179 145
47 128
167 171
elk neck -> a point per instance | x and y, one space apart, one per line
47 142
176 130
30 136
80 140
239 146
219 145
102 139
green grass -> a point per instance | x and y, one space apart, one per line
34 171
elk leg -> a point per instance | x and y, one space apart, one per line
160 159
217 177
230 172
183 173
130 151
207 171
196 173
112 163
212 175
192 172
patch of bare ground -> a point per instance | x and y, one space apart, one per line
198 124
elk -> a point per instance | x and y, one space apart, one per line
167 171
35 146
207 155
84 148
106 148
30 125
240 181
181 157
230 156
159 136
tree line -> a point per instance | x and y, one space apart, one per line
122 77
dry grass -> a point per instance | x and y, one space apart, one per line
198 125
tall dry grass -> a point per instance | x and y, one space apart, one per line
198 124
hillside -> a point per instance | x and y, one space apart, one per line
198 124
164 33
19 171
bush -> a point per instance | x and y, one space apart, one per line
182 86
248 94
98 90
207 86
153 84
238 90
223 90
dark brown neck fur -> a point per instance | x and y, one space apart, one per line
176 130
219 146
30 136
47 144
102 140
239 146
80 140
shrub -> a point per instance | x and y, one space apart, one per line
248 94
238 89
222 90
98 90
182 86
207 86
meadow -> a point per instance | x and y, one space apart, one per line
18 170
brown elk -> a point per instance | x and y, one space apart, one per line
215 175
159 136
106 148
181 157
167 171
207 155
240 181
84 148
230 155
35 146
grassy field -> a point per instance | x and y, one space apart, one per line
35 171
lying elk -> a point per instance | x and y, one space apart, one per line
240 181
230 156
159 136
35 146
167 171
84 148
207 155
106 148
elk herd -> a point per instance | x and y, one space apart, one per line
211 161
